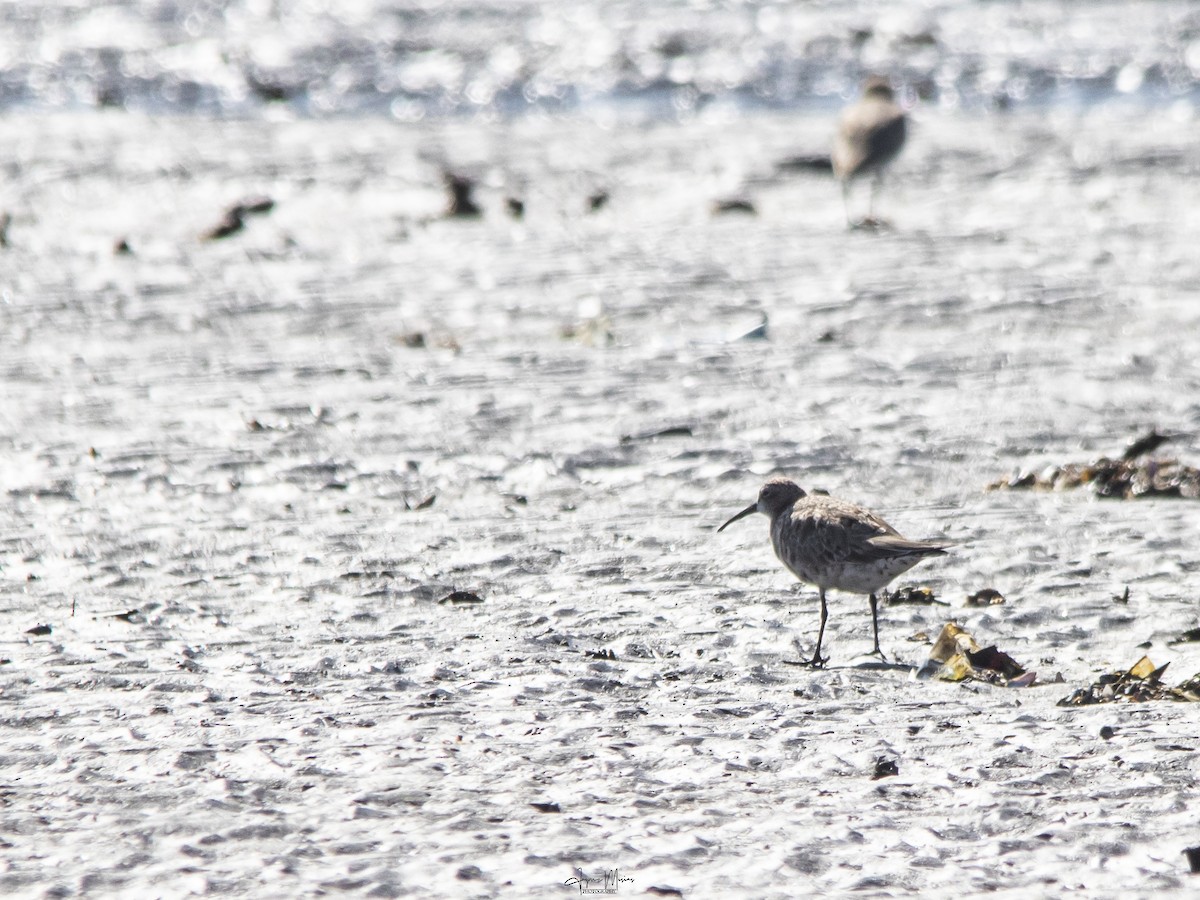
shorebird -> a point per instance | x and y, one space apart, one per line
870 135
835 544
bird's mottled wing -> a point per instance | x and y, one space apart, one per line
835 532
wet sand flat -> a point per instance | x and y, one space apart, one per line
218 459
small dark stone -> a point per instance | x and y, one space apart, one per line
462 203
1107 732
733 205
461 597
547 807
985 597
469 873
515 207
39 630
1193 858
885 768
597 200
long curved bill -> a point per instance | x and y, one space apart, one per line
752 508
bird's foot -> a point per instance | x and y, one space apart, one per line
879 653
816 662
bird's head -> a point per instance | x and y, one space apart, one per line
775 498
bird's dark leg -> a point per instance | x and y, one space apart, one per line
875 625
817 661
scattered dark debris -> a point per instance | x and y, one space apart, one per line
670 431
910 594
461 203
423 504
355 574
805 162
234 219
733 205
885 768
1131 476
871 224
1191 636
1143 682
602 654
985 597
435 698
1107 732
121 247
515 207
257 206
994 660
547 807
5 221
469 873
414 340
419 340
39 630
597 200
461 597
1147 443
127 616
827 337
269 87
591 332
957 657
1123 598
1193 858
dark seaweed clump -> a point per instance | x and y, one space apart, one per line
1132 476
1140 684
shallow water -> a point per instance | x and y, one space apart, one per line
414 60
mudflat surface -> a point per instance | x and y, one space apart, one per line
217 460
